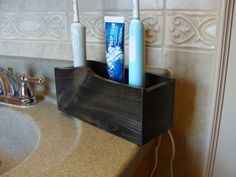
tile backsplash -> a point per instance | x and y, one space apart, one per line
47 23
180 36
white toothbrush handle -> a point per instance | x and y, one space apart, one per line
76 11
78 36
136 9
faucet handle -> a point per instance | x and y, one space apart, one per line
34 80
25 92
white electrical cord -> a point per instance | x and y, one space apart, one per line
173 153
156 156
172 158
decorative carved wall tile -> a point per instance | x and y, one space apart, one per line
184 29
33 26
94 22
195 30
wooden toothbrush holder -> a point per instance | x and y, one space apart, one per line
135 114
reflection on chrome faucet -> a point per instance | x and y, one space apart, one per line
17 91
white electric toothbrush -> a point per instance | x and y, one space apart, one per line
78 36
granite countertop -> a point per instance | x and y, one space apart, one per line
68 147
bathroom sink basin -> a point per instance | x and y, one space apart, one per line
19 136
35 140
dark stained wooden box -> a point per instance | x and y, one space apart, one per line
136 114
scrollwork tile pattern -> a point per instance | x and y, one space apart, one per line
33 26
183 29
152 20
192 30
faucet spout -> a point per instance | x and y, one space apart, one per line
8 84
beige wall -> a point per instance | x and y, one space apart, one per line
180 36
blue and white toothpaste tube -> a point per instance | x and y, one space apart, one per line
115 28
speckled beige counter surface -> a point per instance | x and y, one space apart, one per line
68 147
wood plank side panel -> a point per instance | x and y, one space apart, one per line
158 110
100 104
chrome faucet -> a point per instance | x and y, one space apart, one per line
17 91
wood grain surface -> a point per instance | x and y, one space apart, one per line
136 114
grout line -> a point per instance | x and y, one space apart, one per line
67 19
192 50
35 41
